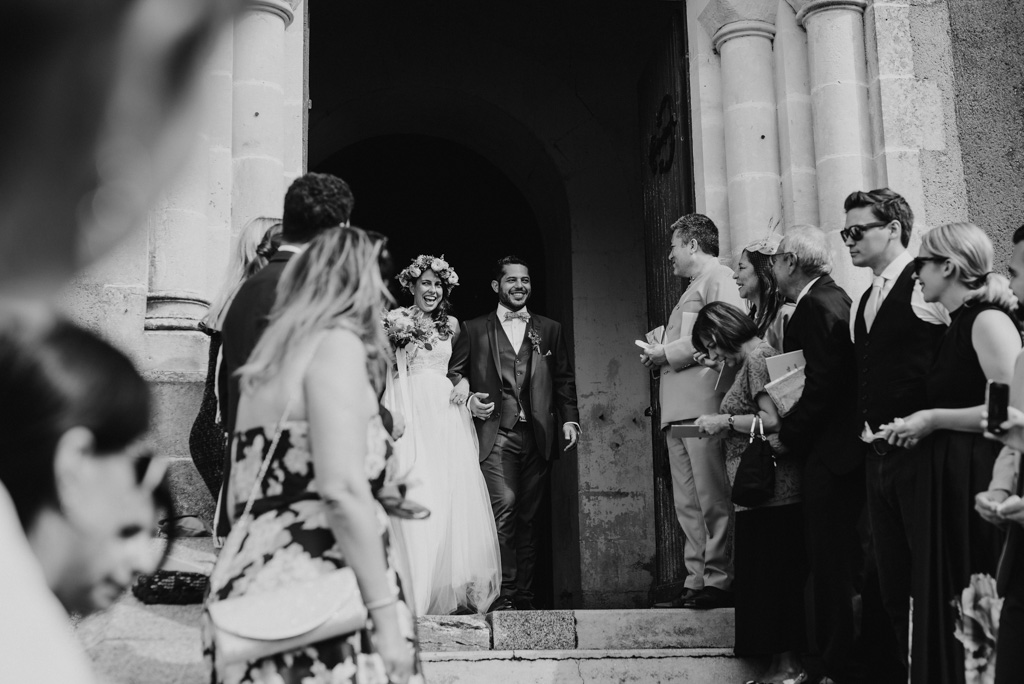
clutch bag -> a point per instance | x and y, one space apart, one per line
250 627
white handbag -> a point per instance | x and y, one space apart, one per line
250 627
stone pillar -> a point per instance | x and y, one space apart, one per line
839 102
219 163
742 32
258 125
796 137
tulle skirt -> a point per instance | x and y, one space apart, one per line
452 556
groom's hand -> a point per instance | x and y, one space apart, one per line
478 407
572 435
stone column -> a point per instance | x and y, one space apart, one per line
839 102
258 124
742 32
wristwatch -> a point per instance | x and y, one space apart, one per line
732 422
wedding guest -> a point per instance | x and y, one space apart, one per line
521 426
700 489
453 554
821 430
311 387
104 96
769 553
80 490
1007 482
954 267
895 334
257 242
756 281
314 202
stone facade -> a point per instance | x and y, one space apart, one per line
793 103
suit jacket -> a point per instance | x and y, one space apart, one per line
552 380
823 424
245 321
688 389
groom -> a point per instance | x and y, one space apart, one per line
519 378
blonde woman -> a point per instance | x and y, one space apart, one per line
951 542
313 377
257 242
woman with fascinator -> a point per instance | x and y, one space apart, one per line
453 554
756 280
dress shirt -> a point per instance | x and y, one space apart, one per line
807 288
515 330
929 312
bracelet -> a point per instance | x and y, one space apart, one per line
382 603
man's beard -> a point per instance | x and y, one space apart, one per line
505 298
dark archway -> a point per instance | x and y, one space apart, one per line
433 196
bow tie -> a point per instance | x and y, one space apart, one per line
517 316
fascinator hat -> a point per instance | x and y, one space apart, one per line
769 244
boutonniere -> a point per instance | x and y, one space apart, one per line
535 341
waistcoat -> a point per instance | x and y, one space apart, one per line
515 378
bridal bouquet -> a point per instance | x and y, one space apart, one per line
977 627
405 326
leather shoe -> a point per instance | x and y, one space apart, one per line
678 601
525 604
710 597
502 603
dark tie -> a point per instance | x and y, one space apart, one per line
517 315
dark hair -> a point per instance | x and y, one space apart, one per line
55 376
700 228
772 298
314 202
1018 235
510 260
726 324
887 206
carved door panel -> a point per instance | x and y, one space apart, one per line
667 195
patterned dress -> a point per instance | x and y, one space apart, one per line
289 539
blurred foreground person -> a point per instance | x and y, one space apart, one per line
308 440
79 490
102 109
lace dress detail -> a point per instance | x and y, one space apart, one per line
452 555
289 539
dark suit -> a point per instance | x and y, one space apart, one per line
244 322
822 430
515 454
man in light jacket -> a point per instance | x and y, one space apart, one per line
700 488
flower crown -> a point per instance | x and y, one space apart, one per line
426 262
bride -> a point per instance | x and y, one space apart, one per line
453 555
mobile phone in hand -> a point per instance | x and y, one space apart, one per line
998 401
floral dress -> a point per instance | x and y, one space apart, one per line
289 539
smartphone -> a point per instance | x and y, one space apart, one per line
998 400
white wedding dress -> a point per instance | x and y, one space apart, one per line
453 554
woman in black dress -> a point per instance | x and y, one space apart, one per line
207 441
952 542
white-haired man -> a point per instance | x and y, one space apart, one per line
822 430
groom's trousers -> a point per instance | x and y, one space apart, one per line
516 476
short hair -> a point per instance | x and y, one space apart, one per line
56 375
726 324
314 202
809 246
510 260
700 228
1018 235
887 206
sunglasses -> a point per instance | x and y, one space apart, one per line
856 232
920 261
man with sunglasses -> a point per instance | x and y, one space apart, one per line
895 334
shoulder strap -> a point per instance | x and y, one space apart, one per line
267 459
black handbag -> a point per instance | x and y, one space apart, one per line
755 477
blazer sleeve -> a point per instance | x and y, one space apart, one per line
564 381
458 364
825 339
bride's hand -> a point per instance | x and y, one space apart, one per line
460 393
